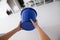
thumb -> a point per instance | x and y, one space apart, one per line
32 22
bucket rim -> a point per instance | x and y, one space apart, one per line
30 9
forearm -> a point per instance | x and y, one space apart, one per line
9 34
43 35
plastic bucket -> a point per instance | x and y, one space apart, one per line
26 15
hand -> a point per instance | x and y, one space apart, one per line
34 23
18 27
42 34
10 33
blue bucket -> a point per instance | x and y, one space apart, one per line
26 15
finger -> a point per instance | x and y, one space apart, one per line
32 21
21 29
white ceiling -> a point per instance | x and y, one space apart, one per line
3 7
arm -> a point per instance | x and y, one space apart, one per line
42 34
9 34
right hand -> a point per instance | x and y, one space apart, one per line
34 23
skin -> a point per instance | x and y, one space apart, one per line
42 34
10 33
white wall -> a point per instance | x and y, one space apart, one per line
7 22
48 18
